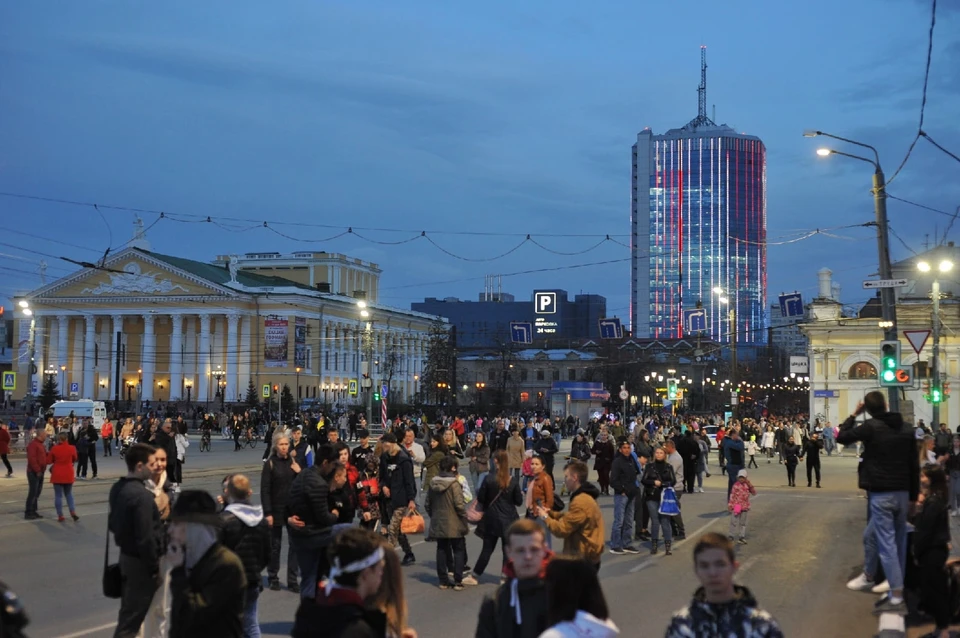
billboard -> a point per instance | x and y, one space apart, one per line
300 342
275 343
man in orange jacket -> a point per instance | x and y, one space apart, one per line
106 433
36 466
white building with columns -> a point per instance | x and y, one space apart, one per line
188 329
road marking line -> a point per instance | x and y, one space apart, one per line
650 560
92 630
747 564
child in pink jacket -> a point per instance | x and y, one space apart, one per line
739 505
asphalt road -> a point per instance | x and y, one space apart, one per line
804 544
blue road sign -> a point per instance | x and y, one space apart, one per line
521 332
611 328
694 320
383 390
74 388
791 305
826 394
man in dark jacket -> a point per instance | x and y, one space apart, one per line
623 481
247 534
811 450
135 522
689 451
207 583
166 441
275 481
518 608
546 448
943 440
498 438
312 530
400 490
733 453
890 473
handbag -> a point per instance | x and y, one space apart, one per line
475 510
412 524
558 504
112 578
668 502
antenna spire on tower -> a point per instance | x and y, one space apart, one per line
702 119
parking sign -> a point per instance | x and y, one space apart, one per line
545 303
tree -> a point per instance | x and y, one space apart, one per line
288 404
50 392
439 367
252 399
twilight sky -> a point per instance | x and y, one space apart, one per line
484 117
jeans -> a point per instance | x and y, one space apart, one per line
59 491
35 486
810 468
791 473
623 512
657 521
458 546
478 481
107 448
139 584
309 553
489 544
273 567
885 536
829 445
251 625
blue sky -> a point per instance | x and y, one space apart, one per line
494 117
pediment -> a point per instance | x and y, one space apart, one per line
131 274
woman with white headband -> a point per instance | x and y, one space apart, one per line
341 607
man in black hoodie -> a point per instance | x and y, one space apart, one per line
890 473
400 490
246 532
311 523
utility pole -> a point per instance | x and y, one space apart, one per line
116 375
888 299
733 353
936 354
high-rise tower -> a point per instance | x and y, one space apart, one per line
699 222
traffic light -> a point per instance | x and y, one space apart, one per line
946 388
276 388
672 389
892 371
936 395
376 395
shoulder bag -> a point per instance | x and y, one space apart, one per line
475 510
112 578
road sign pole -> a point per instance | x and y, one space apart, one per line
936 352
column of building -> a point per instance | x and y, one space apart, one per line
231 391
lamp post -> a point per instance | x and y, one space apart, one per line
366 370
188 384
480 386
416 388
887 297
27 312
218 374
732 318
944 266
298 385
63 378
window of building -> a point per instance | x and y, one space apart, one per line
523 375
571 374
491 375
556 375
862 370
539 375
524 397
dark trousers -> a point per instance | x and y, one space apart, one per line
753 461
642 514
689 477
82 456
810 468
934 592
139 585
6 462
175 470
676 522
791 473
35 486
489 544
107 447
273 568
603 477
458 546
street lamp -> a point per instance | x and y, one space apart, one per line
732 319
218 374
188 384
365 367
887 297
63 378
298 383
944 266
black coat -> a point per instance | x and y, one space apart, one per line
498 439
657 471
931 527
889 462
209 602
309 495
623 476
502 513
251 544
498 618
396 473
275 481
341 615
689 450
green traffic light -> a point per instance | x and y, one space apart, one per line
889 375
935 396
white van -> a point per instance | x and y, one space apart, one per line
82 409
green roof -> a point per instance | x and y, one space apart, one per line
221 275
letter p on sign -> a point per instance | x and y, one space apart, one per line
545 303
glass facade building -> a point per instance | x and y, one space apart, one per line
699 219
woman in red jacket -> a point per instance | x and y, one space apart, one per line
61 458
5 447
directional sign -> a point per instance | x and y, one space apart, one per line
826 394
9 381
74 388
265 391
917 338
884 283
791 305
383 390
521 332
694 320
611 329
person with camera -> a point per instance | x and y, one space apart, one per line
890 474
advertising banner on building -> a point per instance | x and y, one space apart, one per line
275 343
799 365
300 343
23 341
